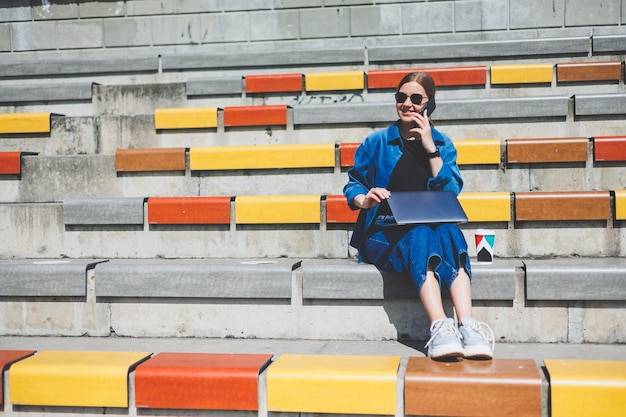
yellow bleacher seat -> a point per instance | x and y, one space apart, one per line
521 73
194 118
335 384
587 388
334 81
73 378
277 209
262 157
478 151
487 207
24 123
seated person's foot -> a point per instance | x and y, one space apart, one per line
445 340
478 339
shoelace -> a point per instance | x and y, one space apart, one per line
485 332
446 328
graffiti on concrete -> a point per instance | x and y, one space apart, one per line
328 99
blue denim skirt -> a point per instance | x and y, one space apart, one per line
412 248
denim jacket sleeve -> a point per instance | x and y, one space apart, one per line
449 177
374 161
358 182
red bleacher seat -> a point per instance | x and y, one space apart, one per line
200 381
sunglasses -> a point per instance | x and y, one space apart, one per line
415 98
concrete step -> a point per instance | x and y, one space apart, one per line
505 350
43 230
44 178
548 301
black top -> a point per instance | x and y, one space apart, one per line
411 173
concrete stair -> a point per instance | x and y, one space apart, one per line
75 169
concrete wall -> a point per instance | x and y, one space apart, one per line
58 27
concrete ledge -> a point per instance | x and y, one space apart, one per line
495 281
503 108
348 279
44 68
576 279
91 211
263 59
44 278
324 299
609 44
461 109
214 86
343 113
599 104
485 49
47 92
195 278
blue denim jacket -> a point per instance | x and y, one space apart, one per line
374 162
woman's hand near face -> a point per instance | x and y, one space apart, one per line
424 131
373 197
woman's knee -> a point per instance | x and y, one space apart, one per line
449 230
421 234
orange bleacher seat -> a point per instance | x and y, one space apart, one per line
189 210
10 163
562 205
588 71
499 387
273 83
255 115
609 148
200 381
8 357
150 159
337 210
346 153
547 150
444 77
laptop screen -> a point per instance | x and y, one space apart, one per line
410 207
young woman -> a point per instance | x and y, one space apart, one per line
411 155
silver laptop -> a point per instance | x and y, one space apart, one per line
412 207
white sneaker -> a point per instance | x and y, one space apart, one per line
478 339
445 340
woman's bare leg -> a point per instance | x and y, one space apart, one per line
461 294
430 295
